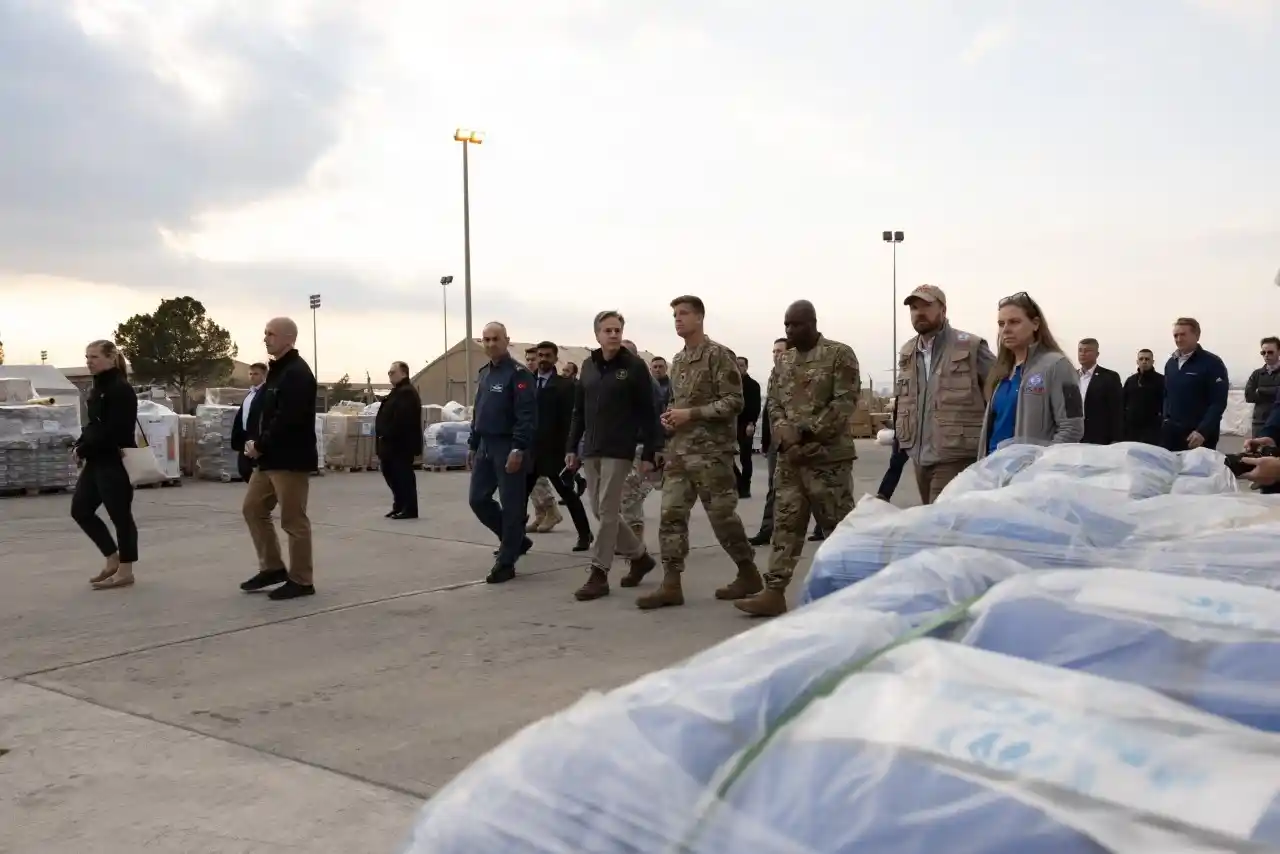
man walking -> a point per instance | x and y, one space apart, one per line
660 370
1263 383
941 405
640 482
747 419
811 409
555 418
245 428
1195 392
546 514
398 428
284 454
614 403
503 425
1103 395
706 397
1144 401
769 446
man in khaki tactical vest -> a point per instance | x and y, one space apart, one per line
941 404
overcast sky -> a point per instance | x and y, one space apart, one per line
1119 161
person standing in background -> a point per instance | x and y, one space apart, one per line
897 462
285 455
1144 401
555 419
1261 388
546 513
112 418
659 369
503 429
1103 395
747 429
245 427
767 444
1195 392
639 483
398 427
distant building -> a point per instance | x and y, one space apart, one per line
434 385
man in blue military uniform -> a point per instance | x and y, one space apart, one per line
503 426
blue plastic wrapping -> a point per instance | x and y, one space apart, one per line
1211 644
993 471
1131 468
445 443
1203 472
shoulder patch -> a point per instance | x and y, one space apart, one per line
963 336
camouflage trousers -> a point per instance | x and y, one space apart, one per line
544 497
635 490
707 478
824 490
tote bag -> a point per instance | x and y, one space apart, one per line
141 464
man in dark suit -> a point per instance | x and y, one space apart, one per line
555 417
398 427
245 428
1144 401
746 428
1103 395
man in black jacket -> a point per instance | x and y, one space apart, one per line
398 427
1103 396
285 455
555 417
1263 383
245 428
746 429
1144 401
613 409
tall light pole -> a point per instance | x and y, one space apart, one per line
445 282
315 348
894 237
44 356
468 138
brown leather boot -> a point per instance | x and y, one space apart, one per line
748 583
596 587
770 602
640 567
668 593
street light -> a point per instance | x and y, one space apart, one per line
445 282
44 356
894 237
315 348
468 138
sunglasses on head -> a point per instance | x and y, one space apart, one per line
1020 298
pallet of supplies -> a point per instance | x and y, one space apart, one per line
16 391
160 426
341 441
187 444
35 447
215 460
225 396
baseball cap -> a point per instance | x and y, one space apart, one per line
928 293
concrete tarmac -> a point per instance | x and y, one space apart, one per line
182 716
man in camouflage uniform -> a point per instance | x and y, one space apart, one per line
811 406
546 515
638 484
702 441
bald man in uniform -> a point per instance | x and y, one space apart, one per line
285 456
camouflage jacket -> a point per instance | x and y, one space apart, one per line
706 380
816 392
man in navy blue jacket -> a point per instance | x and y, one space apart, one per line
503 429
1195 391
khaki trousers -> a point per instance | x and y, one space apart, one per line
605 481
288 489
932 479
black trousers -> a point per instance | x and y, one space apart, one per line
550 469
105 483
397 471
244 466
744 470
1174 437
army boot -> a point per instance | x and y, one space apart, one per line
597 586
549 520
668 593
748 583
770 602
640 567
531 525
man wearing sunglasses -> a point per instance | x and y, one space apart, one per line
1263 383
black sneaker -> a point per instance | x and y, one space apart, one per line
761 539
500 573
291 590
400 514
584 543
817 537
264 579
390 514
524 548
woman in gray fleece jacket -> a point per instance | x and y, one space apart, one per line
1033 389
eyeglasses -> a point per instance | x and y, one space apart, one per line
1267 353
1020 298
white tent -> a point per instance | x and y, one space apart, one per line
48 380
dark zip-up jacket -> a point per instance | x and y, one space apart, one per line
112 411
398 424
1143 407
506 405
750 405
1261 390
615 408
287 426
1195 395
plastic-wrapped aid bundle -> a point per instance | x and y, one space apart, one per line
1203 472
1041 526
35 446
935 746
215 460
1242 555
1179 516
993 471
445 443
1130 468
1211 644
621 773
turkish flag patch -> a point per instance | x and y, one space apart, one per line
522 386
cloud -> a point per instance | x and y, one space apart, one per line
986 41
1252 15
